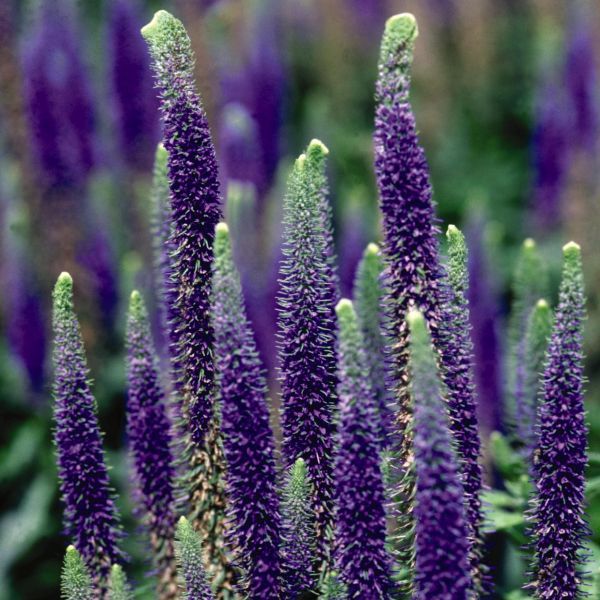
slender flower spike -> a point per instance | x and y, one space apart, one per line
189 557
247 437
362 559
410 244
90 515
298 533
537 335
76 583
332 588
442 535
149 434
530 283
118 588
195 201
307 335
368 300
559 528
457 348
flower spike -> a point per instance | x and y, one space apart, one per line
76 583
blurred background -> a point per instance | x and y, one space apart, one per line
506 95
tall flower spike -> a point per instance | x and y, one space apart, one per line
530 283
457 348
559 528
196 209
76 583
247 437
537 335
189 557
118 588
90 515
149 434
361 556
298 533
442 535
368 300
410 244
307 344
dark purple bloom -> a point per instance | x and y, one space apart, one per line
559 528
297 533
410 247
484 314
368 299
90 516
307 333
442 534
361 557
457 349
58 97
247 437
149 434
134 99
195 201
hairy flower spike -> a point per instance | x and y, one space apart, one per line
530 283
362 559
298 533
247 437
76 583
537 335
196 209
149 434
410 244
368 300
559 528
118 588
457 349
90 515
442 536
307 335
189 557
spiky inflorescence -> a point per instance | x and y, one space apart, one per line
559 528
410 244
332 588
361 556
530 283
307 335
441 532
537 335
76 583
134 102
368 300
247 437
149 434
118 587
297 533
196 209
90 516
188 548
457 348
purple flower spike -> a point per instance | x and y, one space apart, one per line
559 528
307 334
247 437
457 348
90 516
135 103
195 211
410 246
442 536
149 436
362 560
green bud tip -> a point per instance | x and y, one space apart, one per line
64 279
159 19
71 548
344 307
402 27
571 249
182 521
317 149
372 249
541 304
529 244
452 231
300 161
222 228
161 152
415 319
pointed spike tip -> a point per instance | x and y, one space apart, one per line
182 521
64 278
344 306
71 548
403 27
158 20
317 148
372 249
571 249
541 303
529 244
222 228
415 319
